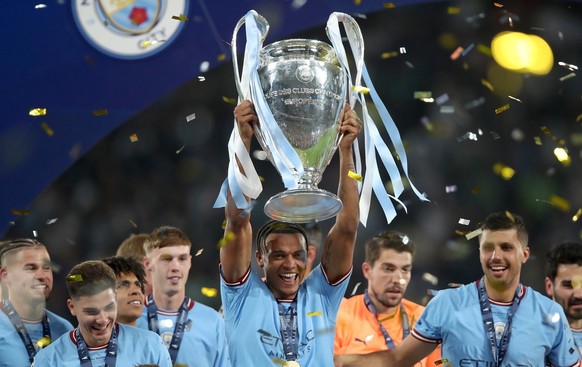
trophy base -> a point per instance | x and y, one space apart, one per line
303 206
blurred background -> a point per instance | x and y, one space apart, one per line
132 141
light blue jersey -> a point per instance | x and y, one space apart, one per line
253 326
578 340
13 353
134 347
539 331
204 341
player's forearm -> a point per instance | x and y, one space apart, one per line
376 359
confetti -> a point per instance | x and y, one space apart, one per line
442 99
389 5
34 233
485 50
426 123
447 109
475 103
209 292
100 112
229 100
360 89
47 129
409 64
40 6
133 224
355 288
181 148
355 176
464 222
43 342
451 188
537 140
20 211
473 234
402 50
428 277
133 138
315 313
221 57
468 136
228 236
51 221
468 49
37 112
422 94
487 84
457 53
577 215
562 156
568 66
75 278
496 136
199 252
566 77
498 5
201 78
504 171
515 99
204 66
560 203
387 55
502 109
181 17
475 190
191 117
453 10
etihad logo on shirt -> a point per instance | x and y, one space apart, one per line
129 29
466 362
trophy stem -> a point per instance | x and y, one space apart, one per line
303 205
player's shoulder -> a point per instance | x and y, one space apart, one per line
206 311
54 318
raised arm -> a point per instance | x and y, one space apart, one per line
236 252
338 249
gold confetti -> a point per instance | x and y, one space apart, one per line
537 140
100 112
199 252
37 112
389 5
560 203
476 190
221 57
387 55
355 176
20 211
453 10
485 50
487 84
473 234
510 216
504 171
498 5
577 215
209 292
145 44
75 278
47 129
422 94
228 236
181 17
563 156
360 89
314 313
229 100
43 342
133 138
133 223
566 77
579 118
501 109
279 361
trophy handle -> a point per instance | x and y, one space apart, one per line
263 27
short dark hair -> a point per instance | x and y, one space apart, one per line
166 236
506 220
127 265
89 278
18 243
132 246
274 226
388 240
565 253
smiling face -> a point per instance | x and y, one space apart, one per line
169 267
388 279
566 289
95 315
27 275
284 263
502 254
129 298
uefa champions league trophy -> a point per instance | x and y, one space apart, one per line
305 89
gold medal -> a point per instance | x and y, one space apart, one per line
291 364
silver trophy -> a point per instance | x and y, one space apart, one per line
305 89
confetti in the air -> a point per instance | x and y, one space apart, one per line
387 55
356 288
468 49
35 233
451 188
453 10
40 6
209 292
133 138
422 95
551 319
498 5
389 5
566 77
47 129
20 211
442 99
75 278
560 203
360 89
43 342
181 18
447 109
562 156
475 103
402 50
204 66
457 53
568 66
315 313
37 112
228 236
191 117
221 57
201 78
473 234
487 84
180 149
100 112
428 277
51 221
503 170
537 140
199 252
495 135
503 108
133 224
355 176
485 50
409 64
464 222
229 100
577 215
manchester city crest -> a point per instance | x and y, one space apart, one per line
130 29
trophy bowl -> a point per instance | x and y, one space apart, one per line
305 88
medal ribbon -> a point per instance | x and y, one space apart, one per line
405 325
178 329
498 352
16 321
289 332
110 354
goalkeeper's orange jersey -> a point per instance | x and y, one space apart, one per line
358 331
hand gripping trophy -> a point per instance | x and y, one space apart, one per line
299 87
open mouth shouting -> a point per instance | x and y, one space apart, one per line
289 278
